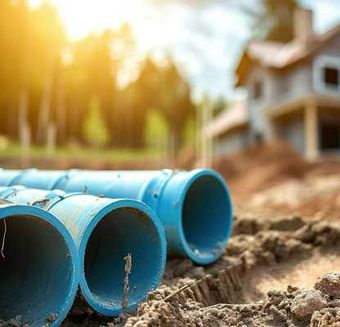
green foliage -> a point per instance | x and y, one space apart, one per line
281 14
94 128
39 86
273 20
114 155
156 130
30 52
219 106
190 132
166 89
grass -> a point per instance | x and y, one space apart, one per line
14 150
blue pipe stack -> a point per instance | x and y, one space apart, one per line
39 266
122 224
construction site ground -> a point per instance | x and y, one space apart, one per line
281 266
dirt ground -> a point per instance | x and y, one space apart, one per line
281 266
275 272
273 178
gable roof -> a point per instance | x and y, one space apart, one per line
279 55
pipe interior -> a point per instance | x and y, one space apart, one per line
122 231
206 216
36 271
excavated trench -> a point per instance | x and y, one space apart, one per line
267 277
287 255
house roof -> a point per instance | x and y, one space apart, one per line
231 118
279 55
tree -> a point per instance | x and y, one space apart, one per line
273 20
48 82
30 49
94 127
14 36
159 88
88 75
45 52
171 96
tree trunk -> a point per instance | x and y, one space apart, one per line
44 112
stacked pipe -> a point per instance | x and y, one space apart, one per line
120 241
106 233
194 207
39 266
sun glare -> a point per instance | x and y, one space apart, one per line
81 17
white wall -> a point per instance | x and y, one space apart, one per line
231 143
293 132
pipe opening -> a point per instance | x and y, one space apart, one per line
36 273
122 231
206 218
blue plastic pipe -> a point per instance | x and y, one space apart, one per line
194 207
106 232
39 266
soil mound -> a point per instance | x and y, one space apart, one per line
260 167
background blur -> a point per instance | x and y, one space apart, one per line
128 84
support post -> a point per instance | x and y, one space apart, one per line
311 130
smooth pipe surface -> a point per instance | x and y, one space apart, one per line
105 232
39 266
195 207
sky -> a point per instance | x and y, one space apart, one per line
205 37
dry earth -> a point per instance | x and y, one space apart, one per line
275 272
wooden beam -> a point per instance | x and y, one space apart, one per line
311 130
206 140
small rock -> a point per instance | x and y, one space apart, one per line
275 297
328 317
334 303
306 302
329 284
291 289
